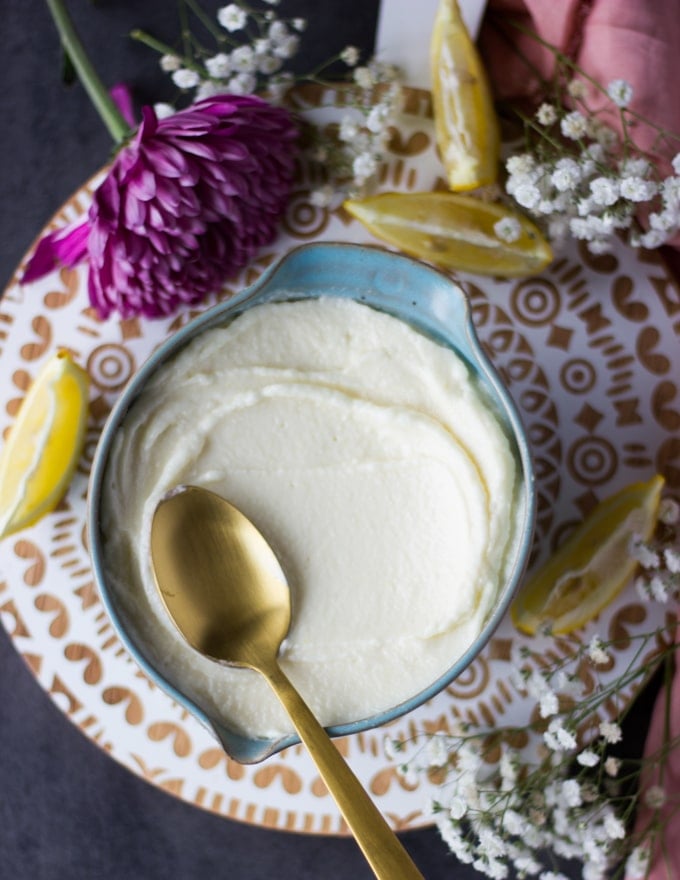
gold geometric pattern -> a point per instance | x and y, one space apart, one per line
590 352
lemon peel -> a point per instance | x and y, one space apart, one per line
40 454
592 566
454 231
466 125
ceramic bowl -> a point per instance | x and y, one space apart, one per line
400 286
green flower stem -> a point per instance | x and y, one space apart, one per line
164 49
205 20
95 88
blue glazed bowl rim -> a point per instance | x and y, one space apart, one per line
274 285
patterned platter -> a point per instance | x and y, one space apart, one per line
590 352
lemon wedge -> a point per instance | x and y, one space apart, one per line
466 126
454 231
592 566
44 444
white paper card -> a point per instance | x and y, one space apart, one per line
404 31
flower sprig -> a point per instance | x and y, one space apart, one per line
250 52
574 796
253 52
583 174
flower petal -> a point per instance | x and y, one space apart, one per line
65 247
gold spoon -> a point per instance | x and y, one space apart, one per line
225 591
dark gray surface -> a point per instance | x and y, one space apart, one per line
66 809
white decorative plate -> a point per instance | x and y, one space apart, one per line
590 351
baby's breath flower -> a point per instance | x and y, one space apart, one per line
268 64
548 704
170 63
655 797
610 731
614 827
232 17
242 84
588 758
208 89
546 114
566 175
322 197
514 822
637 189
243 59
604 191
620 91
671 557
491 867
288 47
558 738
521 164
508 229
457 807
576 89
218 66
364 166
350 56
669 511
599 246
363 77
574 125
571 793
612 766
528 195
597 653
637 864
185 79
349 129
635 166
652 239
375 121
163 110
643 554
658 589
438 753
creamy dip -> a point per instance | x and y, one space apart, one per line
367 456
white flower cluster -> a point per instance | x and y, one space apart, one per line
353 154
521 817
524 811
591 184
253 48
659 558
254 45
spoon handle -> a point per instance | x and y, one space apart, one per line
379 844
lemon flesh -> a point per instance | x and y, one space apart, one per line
593 565
466 126
44 444
453 231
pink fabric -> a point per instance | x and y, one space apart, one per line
665 863
634 40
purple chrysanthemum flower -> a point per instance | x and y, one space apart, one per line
184 205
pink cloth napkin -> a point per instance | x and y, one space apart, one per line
634 40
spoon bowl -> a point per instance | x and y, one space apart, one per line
219 579
227 595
